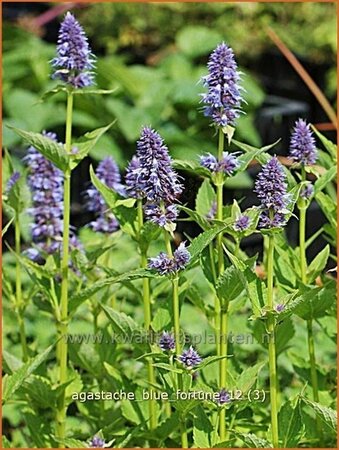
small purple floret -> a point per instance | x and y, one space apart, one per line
223 397
74 59
181 256
280 307
97 442
222 100
190 358
302 145
209 161
242 223
167 341
307 191
165 265
227 165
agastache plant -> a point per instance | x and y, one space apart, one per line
271 189
304 153
222 103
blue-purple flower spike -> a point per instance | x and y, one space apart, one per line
74 59
167 341
271 189
223 99
228 164
165 265
302 145
108 173
242 223
190 358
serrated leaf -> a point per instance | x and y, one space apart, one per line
122 324
290 424
230 283
314 302
16 380
247 378
322 182
318 264
77 299
85 144
252 441
327 415
50 149
202 429
205 198
199 243
330 147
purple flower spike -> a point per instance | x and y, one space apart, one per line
223 397
97 442
181 256
307 191
190 358
270 187
155 177
108 173
302 145
74 59
12 181
242 223
223 99
131 179
167 341
209 161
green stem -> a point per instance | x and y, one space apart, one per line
18 291
310 337
216 302
63 325
146 293
271 346
223 366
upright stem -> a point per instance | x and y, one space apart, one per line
310 337
18 291
63 325
146 294
271 346
176 326
223 365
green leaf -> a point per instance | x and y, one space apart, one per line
168 367
149 232
14 381
210 360
196 40
202 429
205 198
327 415
318 264
5 442
328 207
199 243
85 144
230 283
200 220
314 303
252 441
322 181
48 94
122 324
94 91
39 390
109 195
77 299
161 319
53 151
330 147
247 378
290 424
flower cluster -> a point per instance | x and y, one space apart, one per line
270 187
97 442
108 173
307 191
165 265
190 358
150 176
223 99
227 165
242 223
302 145
74 59
167 341
223 397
